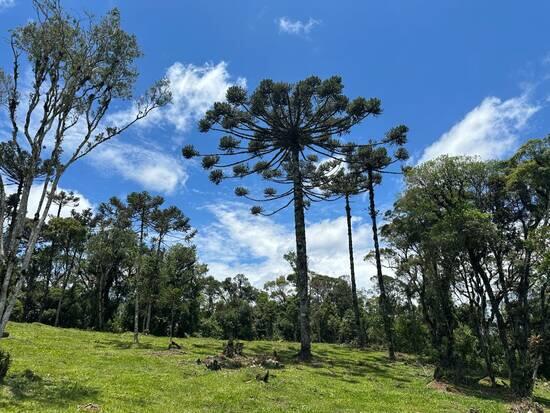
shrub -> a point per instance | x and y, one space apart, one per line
4 364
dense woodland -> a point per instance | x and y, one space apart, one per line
462 259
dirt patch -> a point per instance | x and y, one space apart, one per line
443 387
526 406
89 407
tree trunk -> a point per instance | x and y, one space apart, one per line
8 302
384 303
355 302
521 379
14 239
100 302
301 259
148 317
49 273
60 302
172 311
138 276
544 322
136 315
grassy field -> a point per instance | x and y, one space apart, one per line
72 368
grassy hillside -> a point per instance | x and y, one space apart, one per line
72 368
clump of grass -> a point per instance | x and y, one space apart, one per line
5 362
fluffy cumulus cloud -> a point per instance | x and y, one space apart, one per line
237 242
490 130
34 201
297 27
194 89
153 169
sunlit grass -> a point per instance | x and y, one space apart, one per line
73 368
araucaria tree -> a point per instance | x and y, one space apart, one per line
78 69
278 131
345 183
362 170
373 159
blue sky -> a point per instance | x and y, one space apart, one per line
466 76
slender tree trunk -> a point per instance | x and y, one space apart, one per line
68 270
100 302
60 302
521 380
14 239
301 260
148 317
8 302
2 216
136 313
172 311
138 277
383 299
544 323
149 312
355 302
49 275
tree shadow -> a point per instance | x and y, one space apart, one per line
126 344
500 393
331 363
47 392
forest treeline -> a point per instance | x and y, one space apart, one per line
461 262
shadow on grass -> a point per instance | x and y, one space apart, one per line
332 363
501 393
46 393
126 344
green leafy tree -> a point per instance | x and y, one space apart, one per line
78 69
71 235
141 207
166 223
61 199
110 258
181 281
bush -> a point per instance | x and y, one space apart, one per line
210 328
4 364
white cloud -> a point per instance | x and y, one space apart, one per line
4 4
297 26
238 242
36 193
490 130
153 169
194 90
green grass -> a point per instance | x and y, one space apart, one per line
79 367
